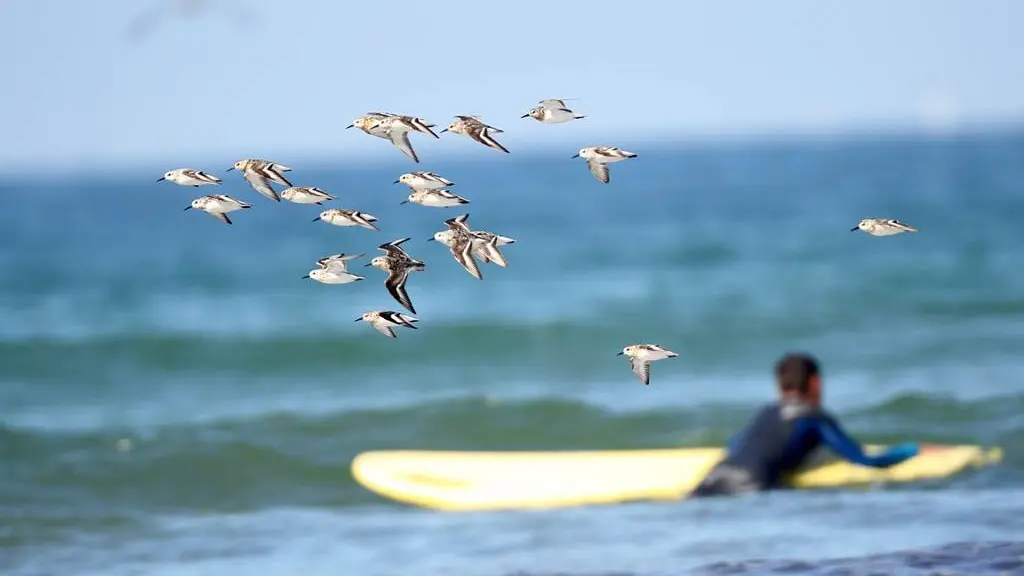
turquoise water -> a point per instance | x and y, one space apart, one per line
175 399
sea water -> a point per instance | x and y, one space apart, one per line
176 400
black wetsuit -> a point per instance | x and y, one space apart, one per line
776 443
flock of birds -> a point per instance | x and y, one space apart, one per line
428 189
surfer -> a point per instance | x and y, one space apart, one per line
783 434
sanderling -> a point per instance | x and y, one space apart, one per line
444 237
398 128
384 320
378 123
598 158
640 357
435 199
371 124
485 244
305 195
337 262
343 217
473 127
332 276
259 173
552 111
394 127
883 227
398 264
189 177
485 247
424 181
462 244
218 205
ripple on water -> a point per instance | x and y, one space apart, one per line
975 558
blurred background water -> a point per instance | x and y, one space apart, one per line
245 391
175 399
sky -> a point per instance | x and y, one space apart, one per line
276 79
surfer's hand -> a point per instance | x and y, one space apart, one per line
907 449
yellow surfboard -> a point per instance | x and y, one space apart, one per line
476 481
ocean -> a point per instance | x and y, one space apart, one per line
176 400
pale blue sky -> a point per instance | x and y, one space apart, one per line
285 82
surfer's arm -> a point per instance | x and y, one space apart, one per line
841 443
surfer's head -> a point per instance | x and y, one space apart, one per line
798 376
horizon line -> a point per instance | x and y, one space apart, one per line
674 138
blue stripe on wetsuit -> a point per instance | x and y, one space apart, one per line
839 442
734 442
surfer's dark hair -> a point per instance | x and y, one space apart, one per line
794 372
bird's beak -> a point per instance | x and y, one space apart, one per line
304 277
358 319
855 228
368 264
525 116
160 178
315 219
431 239
620 353
187 208
230 169
575 156
397 182
346 128
443 131
404 202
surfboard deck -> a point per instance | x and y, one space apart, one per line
478 481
